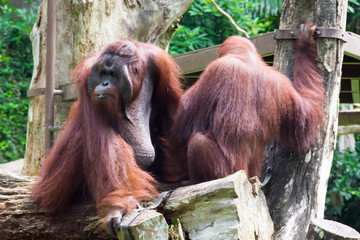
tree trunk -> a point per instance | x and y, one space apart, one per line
296 192
84 27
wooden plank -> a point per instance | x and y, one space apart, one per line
70 92
227 208
264 43
349 117
352 45
197 60
350 129
35 92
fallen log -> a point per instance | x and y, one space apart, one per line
20 218
226 208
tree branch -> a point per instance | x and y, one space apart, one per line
230 19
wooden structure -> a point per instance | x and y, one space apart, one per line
193 63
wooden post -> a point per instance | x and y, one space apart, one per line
296 193
50 73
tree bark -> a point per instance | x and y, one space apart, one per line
222 209
84 27
227 208
296 192
20 218
326 229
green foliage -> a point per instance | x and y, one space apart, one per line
16 66
267 8
343 195
353 16
353 5
204 26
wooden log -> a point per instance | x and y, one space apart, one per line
149 225
326 229
221 209
20 218
226 208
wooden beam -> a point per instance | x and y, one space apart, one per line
352 46
264 43
349 117
70 92
197 60
350 129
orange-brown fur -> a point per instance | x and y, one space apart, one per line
225 121
90 157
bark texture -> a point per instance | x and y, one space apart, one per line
20 218
228 208
296 193
326 229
